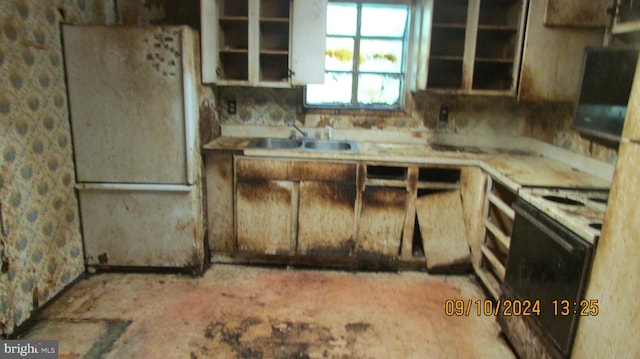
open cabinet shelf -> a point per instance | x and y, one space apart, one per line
253 42
474 45
498 225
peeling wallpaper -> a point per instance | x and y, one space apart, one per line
40 244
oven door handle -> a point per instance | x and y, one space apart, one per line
553 235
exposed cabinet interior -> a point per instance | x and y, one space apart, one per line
448 36
274 40
474 45
253 42
233 33
498 225
496 44
390 226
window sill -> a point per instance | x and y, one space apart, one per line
356 112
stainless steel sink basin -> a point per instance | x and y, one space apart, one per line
275 143
306 144
328 145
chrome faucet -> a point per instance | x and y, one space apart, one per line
304 133
329 132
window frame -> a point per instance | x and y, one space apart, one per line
354 108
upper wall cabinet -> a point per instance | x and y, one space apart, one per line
577 13
469 46
269 43
553 57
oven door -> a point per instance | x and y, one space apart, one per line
547 262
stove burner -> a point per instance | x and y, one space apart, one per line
563 200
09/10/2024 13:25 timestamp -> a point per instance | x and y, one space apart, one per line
516 307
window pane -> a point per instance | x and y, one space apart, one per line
339 54
336 89
381 56
383 20
342 19
378 89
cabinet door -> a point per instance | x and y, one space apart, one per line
577 13
552 58
209 40
381 222
219 191
264 216
308 42
268 43
326 218
443 230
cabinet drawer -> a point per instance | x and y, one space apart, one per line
265 169
344 172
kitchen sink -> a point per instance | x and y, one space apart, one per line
305 144
275 143
329 145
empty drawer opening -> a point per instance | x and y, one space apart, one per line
442 175
386 172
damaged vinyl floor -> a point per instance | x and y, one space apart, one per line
251 312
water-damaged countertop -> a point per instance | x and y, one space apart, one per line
522 162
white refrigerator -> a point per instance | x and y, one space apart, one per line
134 117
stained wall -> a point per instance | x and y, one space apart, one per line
40 242
468 115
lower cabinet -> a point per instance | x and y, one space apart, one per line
292 207
381 222
311 211
326 218
264 217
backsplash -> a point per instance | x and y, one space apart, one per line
551 123
40 244
469 115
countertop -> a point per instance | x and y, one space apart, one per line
521 163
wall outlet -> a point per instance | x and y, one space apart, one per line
231 107
444 114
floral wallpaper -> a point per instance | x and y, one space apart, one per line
468 115
40 242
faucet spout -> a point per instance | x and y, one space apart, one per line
304 133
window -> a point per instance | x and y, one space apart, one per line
365 57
